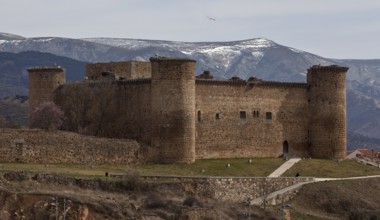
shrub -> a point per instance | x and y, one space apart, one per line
46 116
193 202
155 201
131 181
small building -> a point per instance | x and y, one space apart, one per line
365 154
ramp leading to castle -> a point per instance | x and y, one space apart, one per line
284 167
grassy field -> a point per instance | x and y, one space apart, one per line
331 168
238 167
215 167
212 167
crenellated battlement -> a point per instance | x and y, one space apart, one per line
251 83
46 69
331 68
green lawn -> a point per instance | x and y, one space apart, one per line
209 167
331 168
65 169
214 167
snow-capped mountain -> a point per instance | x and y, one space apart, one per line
257 57
225 59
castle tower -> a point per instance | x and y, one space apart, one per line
327 99
173 109
42 83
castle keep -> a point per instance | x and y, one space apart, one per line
179 117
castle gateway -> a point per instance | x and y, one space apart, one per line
181 117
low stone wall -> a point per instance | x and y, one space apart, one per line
230 189
37 146
235 189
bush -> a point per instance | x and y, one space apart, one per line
46 116
192 202
155 201
131 181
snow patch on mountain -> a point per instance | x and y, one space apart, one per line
257 54
42 39
221 54
295 50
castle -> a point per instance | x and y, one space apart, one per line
181 117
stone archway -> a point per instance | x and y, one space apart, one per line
285 148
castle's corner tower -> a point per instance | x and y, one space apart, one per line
173 109
327 101
43 81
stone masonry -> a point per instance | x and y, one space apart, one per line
37 146
181 117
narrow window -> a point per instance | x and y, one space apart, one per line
256 112
217 117
243 115
199 115
268 116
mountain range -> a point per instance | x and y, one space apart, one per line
257 57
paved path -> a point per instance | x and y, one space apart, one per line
272 195
284 167
347 178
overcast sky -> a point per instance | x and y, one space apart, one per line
329 28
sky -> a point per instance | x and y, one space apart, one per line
344 29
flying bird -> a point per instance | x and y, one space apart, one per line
211 19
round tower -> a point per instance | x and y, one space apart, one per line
327 101
173 109
42 83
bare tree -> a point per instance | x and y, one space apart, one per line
77 105
265 189
87 107
46 116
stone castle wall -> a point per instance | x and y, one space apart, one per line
37 146
226 136
240 119
42 83
327 96
173 113
124 106
182 118
127 70
232 189
132 109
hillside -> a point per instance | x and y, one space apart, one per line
356 140
15 110
44 196
353 199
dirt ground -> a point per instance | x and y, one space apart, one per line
47 196
24 196
348 199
